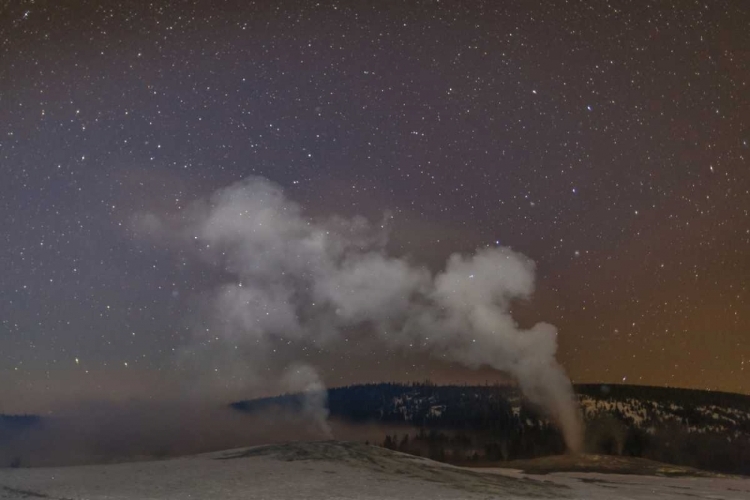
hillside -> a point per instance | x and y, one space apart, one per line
460 424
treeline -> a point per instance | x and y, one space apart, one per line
415 403
678 396
467 447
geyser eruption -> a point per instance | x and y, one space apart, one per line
304 379
308 279
468 318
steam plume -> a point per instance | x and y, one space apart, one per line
303 379
308 279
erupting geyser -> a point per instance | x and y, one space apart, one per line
307 279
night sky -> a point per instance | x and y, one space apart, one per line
609 142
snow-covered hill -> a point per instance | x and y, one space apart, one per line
652 414
419 405
336 470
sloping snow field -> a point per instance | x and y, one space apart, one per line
335 470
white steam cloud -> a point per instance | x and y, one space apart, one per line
309 279
304 379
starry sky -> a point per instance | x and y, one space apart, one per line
607 141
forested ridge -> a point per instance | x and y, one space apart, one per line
460 423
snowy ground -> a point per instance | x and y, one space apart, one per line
334 470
